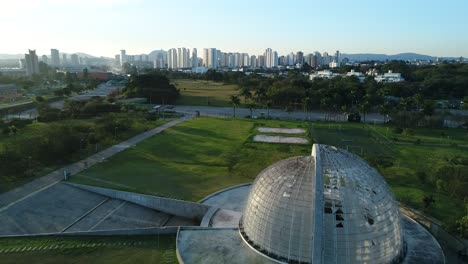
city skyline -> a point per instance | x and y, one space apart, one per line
251 27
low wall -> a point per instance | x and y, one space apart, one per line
166 205
112 232
448 241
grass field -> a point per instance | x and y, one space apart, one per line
408 160
195 158
137 249
204 93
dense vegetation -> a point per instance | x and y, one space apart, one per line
153 86
28 148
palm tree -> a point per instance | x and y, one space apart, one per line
245 92
235 101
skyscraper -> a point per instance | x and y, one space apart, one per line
194 58
64 59
291 59
45 59
54 57
205 57
271 58
253 61
32 62
299 57
210 58
337 57
74 59
123 57
172 59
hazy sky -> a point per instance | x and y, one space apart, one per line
103 27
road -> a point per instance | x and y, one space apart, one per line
101 90
19 194
273 113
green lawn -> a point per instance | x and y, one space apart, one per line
408 160
195 158
208 93
151 250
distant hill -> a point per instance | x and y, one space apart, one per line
152 55
384 57
21 56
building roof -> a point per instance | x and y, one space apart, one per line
331 206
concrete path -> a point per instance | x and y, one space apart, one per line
19 194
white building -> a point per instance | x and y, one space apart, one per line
334 64
270 60
172 59
326 74
390 77
123 57
358 75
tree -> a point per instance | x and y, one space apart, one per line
235 101
245 92
364 108
153 86
85 73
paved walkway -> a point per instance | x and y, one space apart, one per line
19 194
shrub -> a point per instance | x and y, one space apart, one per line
398 130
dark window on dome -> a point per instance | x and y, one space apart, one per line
339 217
369 219
339 211
328 210
339 225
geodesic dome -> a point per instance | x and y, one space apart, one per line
331 207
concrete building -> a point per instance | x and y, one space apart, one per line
271 58
74 59
337 57
45 59
32 62
356 74
389 77
64 59
325 74
334 64
183 58
299 57
291 59
194 58
55 57
253 61
172 62
210 58
123 57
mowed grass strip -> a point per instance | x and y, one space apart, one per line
205 93
195 158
